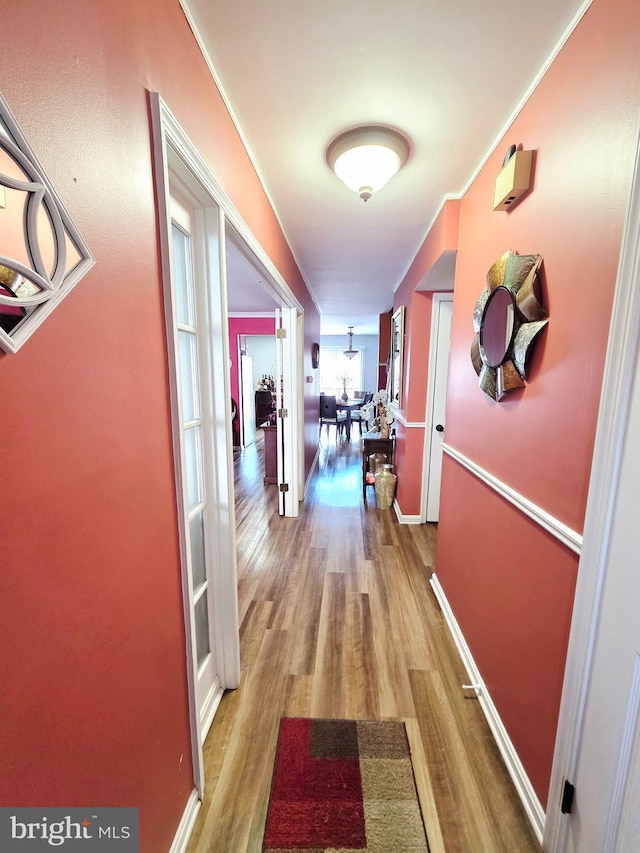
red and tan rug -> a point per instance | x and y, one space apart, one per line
343 785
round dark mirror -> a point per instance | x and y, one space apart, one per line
496 329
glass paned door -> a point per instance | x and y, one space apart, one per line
191 406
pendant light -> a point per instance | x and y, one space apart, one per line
351 351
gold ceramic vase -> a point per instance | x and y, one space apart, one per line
385 486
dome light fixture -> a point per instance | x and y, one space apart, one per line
351 352
365 158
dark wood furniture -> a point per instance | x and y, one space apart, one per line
264 406
372 443
349 406
270 453
329 415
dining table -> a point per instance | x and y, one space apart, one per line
348 406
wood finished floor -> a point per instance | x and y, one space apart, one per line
338 620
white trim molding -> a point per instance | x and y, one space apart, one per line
33 289
232 115
570 538
622 779
501 133
312 471
518 774
269 315
398 415
611 434
404 519
187 822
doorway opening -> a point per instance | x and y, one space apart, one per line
197 224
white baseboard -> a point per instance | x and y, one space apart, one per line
183 834
312 471
523 786
405 519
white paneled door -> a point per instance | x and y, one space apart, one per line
436 401
594 800
247 401
606 809
193 408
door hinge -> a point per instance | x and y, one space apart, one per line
283 413
281 334
567 797
284 487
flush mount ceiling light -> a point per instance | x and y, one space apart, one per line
351 351
365 158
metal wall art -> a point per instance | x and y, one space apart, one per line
507 319
42 255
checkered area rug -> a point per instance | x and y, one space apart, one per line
341 786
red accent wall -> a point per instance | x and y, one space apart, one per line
94 699
510 586
245 326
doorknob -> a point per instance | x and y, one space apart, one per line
439 428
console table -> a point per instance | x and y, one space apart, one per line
371 443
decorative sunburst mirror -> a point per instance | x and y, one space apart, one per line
42 255
507 319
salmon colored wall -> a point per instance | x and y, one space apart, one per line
443 237
509 583
510 587
94 707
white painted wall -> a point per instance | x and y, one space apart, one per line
263 350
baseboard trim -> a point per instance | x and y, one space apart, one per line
185 828
312 471
552 525
521 781
210 707
405 519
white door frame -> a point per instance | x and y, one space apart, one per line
176 159
438 298
209 687
621 361
287 413
174 166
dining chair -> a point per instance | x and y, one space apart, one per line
329 414
357 416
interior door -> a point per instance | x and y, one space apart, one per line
193 406
606 809
436 401
248 401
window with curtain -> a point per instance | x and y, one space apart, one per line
339 373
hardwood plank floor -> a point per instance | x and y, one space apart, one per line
338 620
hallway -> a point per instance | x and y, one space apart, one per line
338 620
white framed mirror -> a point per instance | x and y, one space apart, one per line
397 357
42 255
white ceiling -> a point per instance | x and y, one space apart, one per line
449 73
